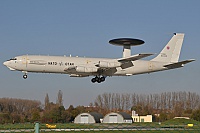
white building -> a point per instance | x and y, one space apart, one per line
120 117
91 117
137 118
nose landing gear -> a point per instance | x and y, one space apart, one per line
98 79
25 76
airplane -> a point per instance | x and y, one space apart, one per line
101 68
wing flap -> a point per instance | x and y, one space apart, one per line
178 64
135 57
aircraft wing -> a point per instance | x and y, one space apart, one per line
134 57
104 66
178 64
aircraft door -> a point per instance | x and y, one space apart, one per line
24 61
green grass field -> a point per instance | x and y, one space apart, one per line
132 132
171 126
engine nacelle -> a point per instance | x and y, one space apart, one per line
76 75
86 69
105 64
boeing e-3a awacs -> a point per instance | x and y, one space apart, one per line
100 68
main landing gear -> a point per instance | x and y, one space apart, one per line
98 79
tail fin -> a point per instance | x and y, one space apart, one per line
172 50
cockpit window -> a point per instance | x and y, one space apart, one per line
13 59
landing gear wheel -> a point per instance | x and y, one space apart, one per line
93 80
98 79
102 79
25 76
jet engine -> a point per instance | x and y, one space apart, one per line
105 64
86 69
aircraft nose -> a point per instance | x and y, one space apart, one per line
9 65
5 63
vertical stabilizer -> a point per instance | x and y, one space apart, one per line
171 51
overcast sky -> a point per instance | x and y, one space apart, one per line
83 28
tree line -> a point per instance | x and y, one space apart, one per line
17 110
167 105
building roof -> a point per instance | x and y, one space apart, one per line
125 115
97 116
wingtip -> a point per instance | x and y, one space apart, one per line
192 60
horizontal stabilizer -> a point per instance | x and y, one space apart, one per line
134 57
178 64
